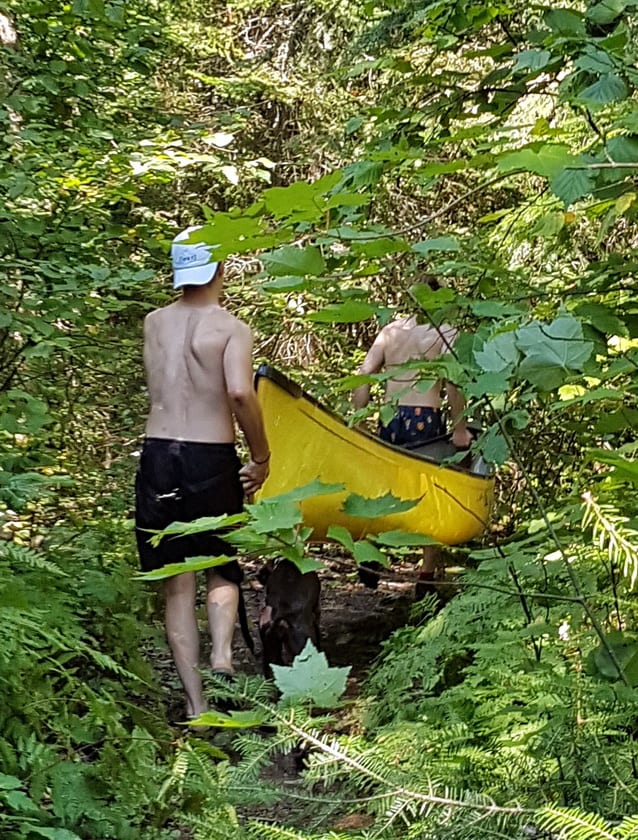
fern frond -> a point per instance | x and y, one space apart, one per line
628 828
574 824
177 774
265 831
611 536
21 557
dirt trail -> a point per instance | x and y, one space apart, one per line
354 622
354 619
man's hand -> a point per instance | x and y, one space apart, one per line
253 475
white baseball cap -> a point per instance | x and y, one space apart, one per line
192 263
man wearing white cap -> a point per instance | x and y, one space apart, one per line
198 360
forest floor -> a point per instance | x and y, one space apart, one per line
355 620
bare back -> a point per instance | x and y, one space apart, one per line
184 350
405 340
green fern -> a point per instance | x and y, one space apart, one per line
573 824
610 534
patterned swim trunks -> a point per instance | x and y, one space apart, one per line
413 424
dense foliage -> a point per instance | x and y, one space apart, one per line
338 151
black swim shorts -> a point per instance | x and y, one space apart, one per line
181 481
413 424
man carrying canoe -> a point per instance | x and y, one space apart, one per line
418 416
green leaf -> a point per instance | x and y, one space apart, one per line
499 354
488 383
519 419
551 350
346 199
624 469
17 800
594 61
365 173
360 506
232 720
191 564
234 234
609 88
566 22
349 312
303 562
601 318
493 309
431 300
9 782
445 243
623 150
493 446
53 833
549 160
311 678
341 535
380 247
625 649
285 284
296 261
306 491
198 526
275 514
365 552
532 60
399 539
572 184
607 11
300 200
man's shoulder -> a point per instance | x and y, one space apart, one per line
155 314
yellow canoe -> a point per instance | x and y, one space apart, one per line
310 442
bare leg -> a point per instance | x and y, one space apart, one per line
183 637
221 605
432 560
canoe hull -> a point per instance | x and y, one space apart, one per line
309 442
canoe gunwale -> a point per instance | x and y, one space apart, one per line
265 371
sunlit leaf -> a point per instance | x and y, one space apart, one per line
548 160
349 312
232 720
191 564
311 678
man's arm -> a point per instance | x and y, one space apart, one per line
372 363
461 435
243 402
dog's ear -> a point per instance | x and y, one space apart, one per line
264 573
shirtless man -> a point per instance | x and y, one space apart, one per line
418 416
198 360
